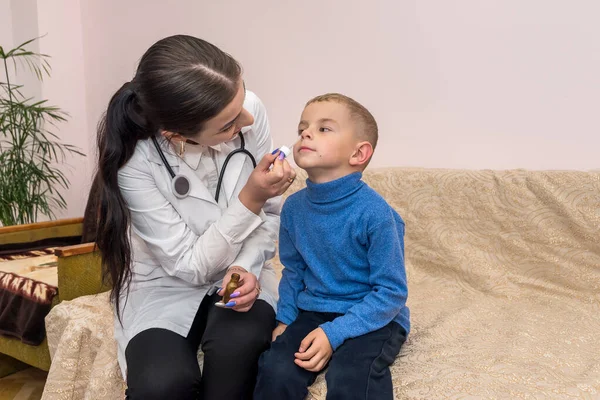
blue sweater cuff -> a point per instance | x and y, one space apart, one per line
333 334
286 316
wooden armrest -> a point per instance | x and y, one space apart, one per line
75 250
40 225
79 271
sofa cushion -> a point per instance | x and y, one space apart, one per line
504 290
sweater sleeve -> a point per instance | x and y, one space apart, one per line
388 282
292 279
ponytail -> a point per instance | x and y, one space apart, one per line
118 133
180 83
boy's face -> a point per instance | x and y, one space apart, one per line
327 141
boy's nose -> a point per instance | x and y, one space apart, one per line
306 133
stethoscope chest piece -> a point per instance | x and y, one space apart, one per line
180 185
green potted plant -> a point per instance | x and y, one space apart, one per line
30 153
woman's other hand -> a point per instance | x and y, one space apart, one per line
243 298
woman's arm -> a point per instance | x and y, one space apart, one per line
182 253
259 247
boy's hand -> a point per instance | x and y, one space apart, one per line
315 351
278 330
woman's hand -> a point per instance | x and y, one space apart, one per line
243 298
266 182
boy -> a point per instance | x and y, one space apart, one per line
343 291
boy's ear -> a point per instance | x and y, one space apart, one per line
362 154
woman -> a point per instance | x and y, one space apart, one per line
168 248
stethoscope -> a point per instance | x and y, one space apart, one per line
180 184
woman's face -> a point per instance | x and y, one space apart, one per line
225 126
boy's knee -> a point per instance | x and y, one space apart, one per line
278 378
277 370
275 365
335 375
358 382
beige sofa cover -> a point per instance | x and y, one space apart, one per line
504 291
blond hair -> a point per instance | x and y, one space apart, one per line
367 125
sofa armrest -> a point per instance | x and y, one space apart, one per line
40 231
79 271
75 250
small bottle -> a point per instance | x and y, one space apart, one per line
285 150
233 284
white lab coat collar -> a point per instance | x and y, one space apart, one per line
191 160
187 168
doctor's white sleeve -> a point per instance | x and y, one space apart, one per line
259 247
182 253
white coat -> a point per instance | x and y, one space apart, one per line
181 248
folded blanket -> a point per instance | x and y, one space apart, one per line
27 287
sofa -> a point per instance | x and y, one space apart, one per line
49 256
504 290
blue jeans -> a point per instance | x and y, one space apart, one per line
358 369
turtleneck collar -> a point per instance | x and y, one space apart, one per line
335 190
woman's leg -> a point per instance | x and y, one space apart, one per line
162 365
232 343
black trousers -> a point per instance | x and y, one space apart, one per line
163 365
358 369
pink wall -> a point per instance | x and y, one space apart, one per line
24 15
469 84
59 22
6 34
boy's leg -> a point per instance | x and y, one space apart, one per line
359 368
278 376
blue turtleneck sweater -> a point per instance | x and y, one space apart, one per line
342 247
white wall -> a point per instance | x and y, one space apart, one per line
461 84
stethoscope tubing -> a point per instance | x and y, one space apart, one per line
180 184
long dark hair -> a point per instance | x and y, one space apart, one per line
180 83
